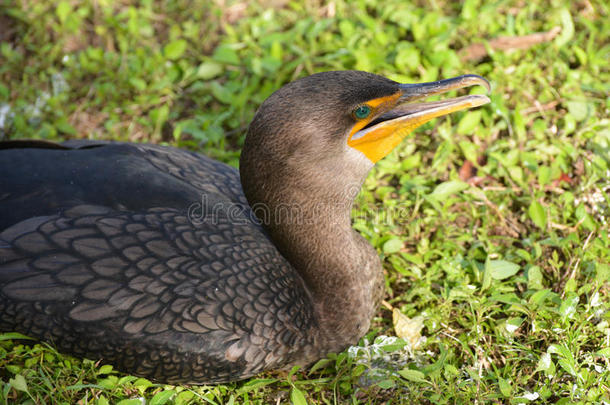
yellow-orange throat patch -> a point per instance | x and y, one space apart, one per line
378 105
373 145
376 142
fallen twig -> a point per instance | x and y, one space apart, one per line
537 107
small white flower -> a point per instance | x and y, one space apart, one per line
595 301
545 361
531 396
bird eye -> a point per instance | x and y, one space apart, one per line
362 111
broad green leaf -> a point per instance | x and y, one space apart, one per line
487 279
513 324
105 369
501 269
516 173
108 383
555 349
562 350
63 126
175 49
18 382
390 344
101 401
159 116
469 122
583 217
519 125
570 286
448 188
567 28
537 214
297 397
568 366
226 54
505 387
358 370
539 297
534 278
222 93
544 175
127 379
392 246
186 397
386 384
443 155
450 371
138 83
276 51
142 384
568 307
162 397
470 150
209 70
579 109
347 28
470 9
602 274
63 11
407 58
413 375
544 363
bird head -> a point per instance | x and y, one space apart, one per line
330 128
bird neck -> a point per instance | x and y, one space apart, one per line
308 219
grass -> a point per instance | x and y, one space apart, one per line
492 224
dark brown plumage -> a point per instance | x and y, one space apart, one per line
151 257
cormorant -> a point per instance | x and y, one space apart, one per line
175 267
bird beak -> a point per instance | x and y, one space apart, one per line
388 128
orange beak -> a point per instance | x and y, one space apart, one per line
380 135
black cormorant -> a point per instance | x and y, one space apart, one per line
175 267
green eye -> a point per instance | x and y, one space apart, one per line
362 111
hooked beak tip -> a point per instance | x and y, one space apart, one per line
417 91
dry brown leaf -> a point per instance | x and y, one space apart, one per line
479 51
467 171
407 328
